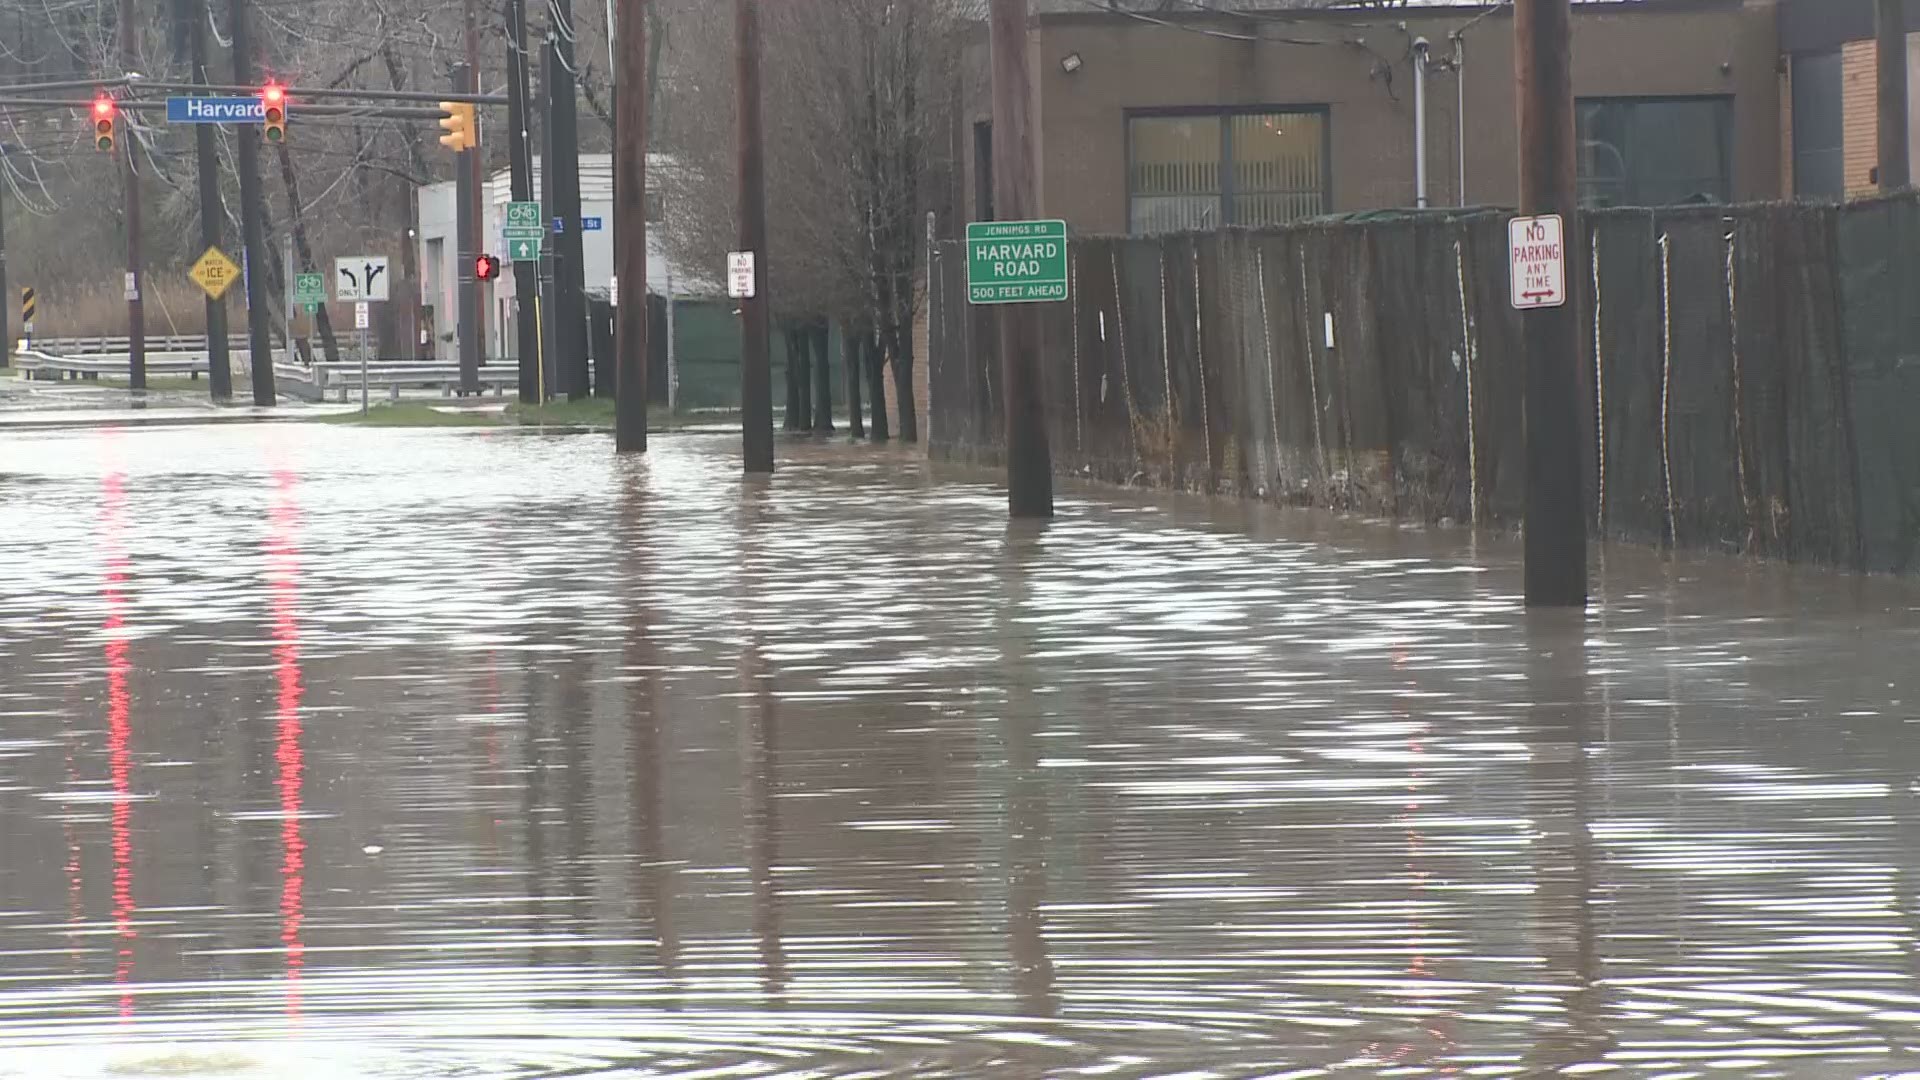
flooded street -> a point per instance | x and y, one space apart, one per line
349 753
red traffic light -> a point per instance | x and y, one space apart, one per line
486 268
273 107
104 111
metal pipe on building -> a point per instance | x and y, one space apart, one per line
1460 110
1421 48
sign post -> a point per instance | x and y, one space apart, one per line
1016 262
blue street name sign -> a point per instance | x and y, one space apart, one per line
589 224
215 110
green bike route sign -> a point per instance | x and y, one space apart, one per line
1016 262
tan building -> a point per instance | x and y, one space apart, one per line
1158 117
1829 69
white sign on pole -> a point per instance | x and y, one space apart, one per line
360 277
1538 251
740 274
613 290
360 316
133 285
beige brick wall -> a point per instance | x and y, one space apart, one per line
1859 123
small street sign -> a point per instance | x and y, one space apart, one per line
590 224
1016 262
523 250
360 315
360 277
29 305
1537 248
311 308
216 110
523 221
133 286
740 274
309 289
559 226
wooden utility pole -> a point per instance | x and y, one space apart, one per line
1890 26
1016 198
756 373
253 212
630 226
213 214
136 258
526 275
1556 524
569 265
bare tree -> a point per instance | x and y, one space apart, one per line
856 105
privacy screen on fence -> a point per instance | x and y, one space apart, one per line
1753 373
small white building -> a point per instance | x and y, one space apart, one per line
438 250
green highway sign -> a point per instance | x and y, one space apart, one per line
1016 262
524 223
309 289
523 250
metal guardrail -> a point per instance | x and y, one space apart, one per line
96 346
342 379
37 364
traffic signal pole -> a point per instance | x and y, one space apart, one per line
212 220
136 257
467 231
252 218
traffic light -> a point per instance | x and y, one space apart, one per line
104 112
273 102
458 122
485 268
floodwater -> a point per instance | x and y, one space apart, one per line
379 754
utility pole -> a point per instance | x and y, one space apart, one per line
1556 523
212 217
252 217
570 334
630 227
475 166
550 368
1016 198
136 258
6 296
756 372
526 275
1890 26
466 231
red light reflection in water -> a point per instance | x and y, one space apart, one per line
283 585
113 501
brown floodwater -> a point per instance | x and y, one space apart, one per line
347 753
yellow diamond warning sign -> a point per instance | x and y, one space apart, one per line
215 273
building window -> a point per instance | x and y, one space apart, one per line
1206 169
1655 151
